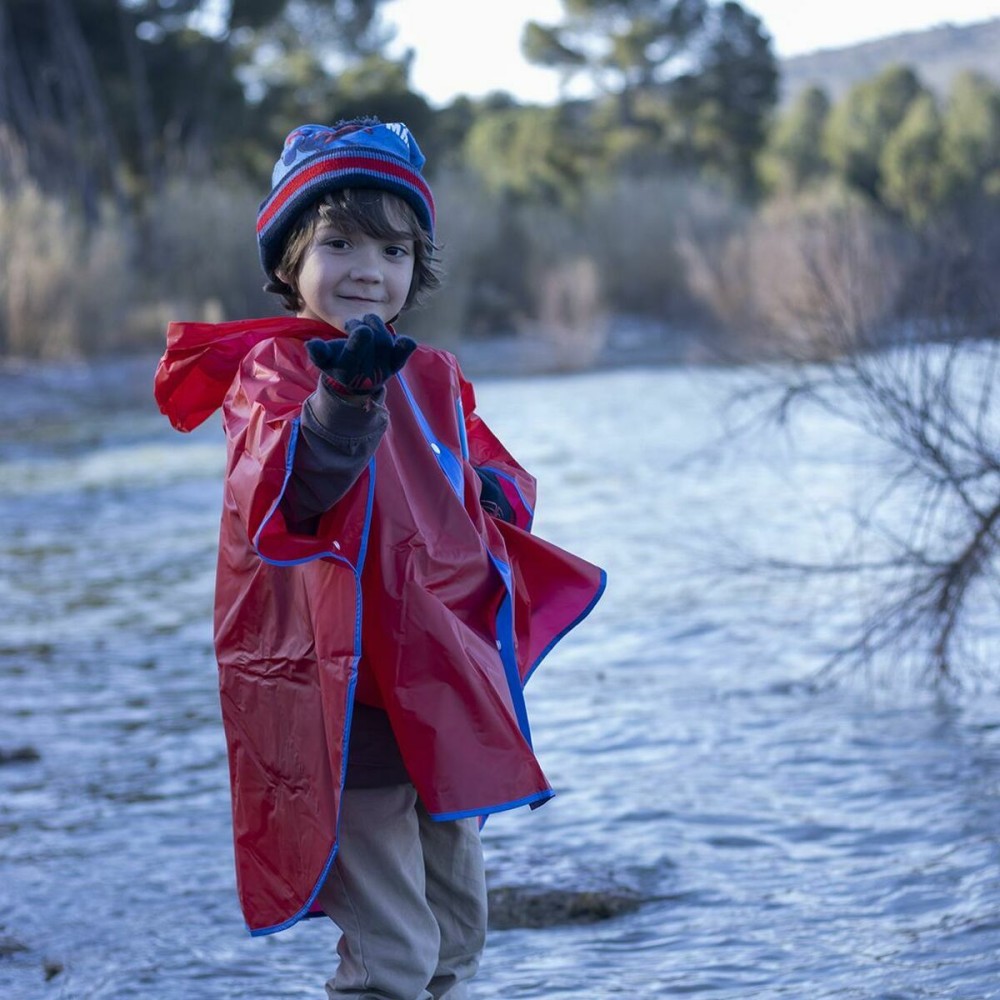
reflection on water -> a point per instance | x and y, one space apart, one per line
787 840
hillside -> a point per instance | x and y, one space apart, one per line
937 54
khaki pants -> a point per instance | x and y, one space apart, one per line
409 896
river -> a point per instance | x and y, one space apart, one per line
783 838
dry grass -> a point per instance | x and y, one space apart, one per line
71 289
826 274
803 277
199 258
64 287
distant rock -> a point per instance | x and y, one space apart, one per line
19 755
10 946
525 906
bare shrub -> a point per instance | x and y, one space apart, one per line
925 554
709 227
826 274
68 288
806 277
571 316
901 330
563 277
564 317
925 551
952 285
13 159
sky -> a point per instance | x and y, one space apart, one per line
474 48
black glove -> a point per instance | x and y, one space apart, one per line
365 361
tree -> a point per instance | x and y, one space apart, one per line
729 95
792 157
622 45
970 141
526 153
52 101
860 125
76 81
910 163
693 80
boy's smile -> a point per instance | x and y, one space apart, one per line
344 276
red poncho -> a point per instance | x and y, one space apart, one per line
455 609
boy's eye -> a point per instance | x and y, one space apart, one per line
336 242
396 251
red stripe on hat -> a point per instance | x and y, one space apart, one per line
344 164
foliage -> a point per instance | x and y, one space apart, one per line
894 141
970 140
910 164
657 242
529 153
792 158
65 287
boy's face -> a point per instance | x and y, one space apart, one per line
344 276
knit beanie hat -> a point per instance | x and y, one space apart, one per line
362 152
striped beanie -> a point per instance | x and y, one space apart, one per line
363 152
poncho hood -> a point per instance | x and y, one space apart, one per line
202 359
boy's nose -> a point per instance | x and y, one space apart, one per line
367 267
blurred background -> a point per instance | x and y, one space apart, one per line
725 276
651 171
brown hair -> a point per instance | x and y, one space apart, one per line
375 213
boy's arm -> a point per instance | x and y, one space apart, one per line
337 438
343 421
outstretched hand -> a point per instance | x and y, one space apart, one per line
365 361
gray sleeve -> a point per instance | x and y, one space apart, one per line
337 439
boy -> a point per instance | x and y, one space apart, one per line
380 600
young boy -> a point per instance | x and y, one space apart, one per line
380 601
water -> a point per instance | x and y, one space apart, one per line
788 839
